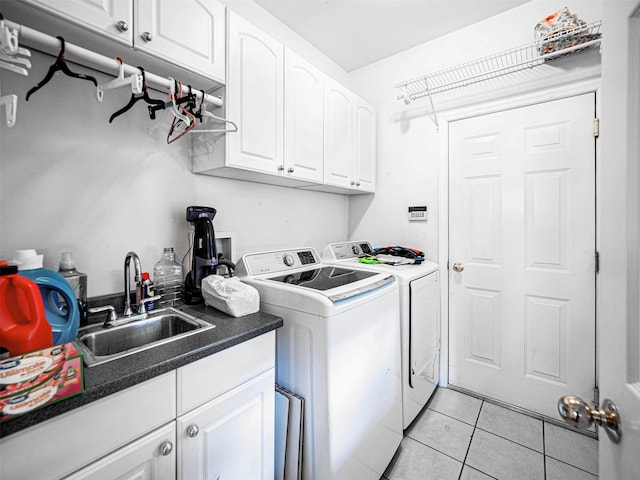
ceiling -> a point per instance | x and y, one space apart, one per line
355 33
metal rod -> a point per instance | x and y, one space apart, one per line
83 56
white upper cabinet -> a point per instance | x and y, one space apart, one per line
364 174
349 140
189 33
255 93
338 134
303 119
113 18
297 127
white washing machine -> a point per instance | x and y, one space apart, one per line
339 348
419 319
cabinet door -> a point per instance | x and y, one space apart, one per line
365 146
303 118
338 134
152 456
254 98
231 436
189 33
89 432
112 18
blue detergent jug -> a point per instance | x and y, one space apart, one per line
60 304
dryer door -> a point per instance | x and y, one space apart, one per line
424 335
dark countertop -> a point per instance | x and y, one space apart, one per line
111 377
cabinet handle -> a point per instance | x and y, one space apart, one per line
352 183
147 37
290 170
192 431
166 448
280 168
122 26
357 184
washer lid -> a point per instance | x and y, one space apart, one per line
323 278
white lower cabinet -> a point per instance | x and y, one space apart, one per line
230 437
150 457
213 415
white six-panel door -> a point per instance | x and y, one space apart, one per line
522 229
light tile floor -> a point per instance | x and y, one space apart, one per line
460 437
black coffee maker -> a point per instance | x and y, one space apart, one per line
204 255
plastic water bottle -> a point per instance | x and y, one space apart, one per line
167 279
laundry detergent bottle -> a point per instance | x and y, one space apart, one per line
60 304
23 323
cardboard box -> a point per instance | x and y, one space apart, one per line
36 379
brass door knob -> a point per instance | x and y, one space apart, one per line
458 267
577 413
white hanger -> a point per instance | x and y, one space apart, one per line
135 81
205 113
10 103
172 103
9 41
9 47
13 68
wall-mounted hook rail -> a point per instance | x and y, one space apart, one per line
82 56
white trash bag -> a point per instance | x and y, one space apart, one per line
230 295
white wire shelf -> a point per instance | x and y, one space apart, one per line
509 61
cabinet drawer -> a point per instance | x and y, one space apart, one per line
90 432
210 377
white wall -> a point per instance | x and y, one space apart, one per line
69 180
410 146
261 18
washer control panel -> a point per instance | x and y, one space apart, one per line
279 261
344 250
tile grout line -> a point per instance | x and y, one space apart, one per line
475 424
513 441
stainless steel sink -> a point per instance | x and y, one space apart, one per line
100 345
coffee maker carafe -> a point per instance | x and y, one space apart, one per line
204 255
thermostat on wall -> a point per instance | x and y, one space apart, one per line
418 214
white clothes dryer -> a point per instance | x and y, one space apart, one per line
419 309
339 349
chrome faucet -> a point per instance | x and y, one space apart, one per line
128 311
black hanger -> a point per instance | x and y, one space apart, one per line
154 104
60 65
